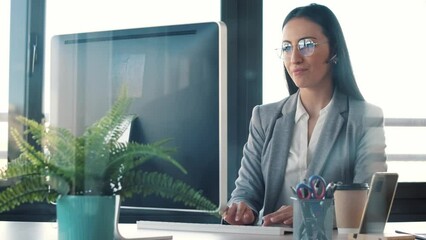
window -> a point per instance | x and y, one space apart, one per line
4 76
388 66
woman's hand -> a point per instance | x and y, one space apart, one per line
238 214
284 215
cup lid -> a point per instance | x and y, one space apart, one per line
352 186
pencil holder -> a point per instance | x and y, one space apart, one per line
313 219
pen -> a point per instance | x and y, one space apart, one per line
329 190
293 189
416 235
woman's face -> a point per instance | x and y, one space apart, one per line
314 71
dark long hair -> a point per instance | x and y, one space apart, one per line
342 74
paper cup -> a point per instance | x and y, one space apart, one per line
350 201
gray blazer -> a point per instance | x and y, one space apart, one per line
350 149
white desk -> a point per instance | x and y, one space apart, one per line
48 231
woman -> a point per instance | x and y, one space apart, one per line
324 127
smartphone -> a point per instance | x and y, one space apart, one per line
379 202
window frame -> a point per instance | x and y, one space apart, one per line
26 63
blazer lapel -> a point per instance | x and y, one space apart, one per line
329 134
286 124
283 137
281 142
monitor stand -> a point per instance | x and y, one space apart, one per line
118 236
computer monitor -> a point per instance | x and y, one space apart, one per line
177 78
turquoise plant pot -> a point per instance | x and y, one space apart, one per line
86 217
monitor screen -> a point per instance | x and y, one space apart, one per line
176 76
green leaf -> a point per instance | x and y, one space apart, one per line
163 185
28 190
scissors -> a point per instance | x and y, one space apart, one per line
315 188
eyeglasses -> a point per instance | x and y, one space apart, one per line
305 46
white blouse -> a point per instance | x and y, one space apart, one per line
301 150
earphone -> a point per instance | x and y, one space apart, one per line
333 59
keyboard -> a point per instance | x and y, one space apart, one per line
214 227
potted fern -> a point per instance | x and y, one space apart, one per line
88 174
